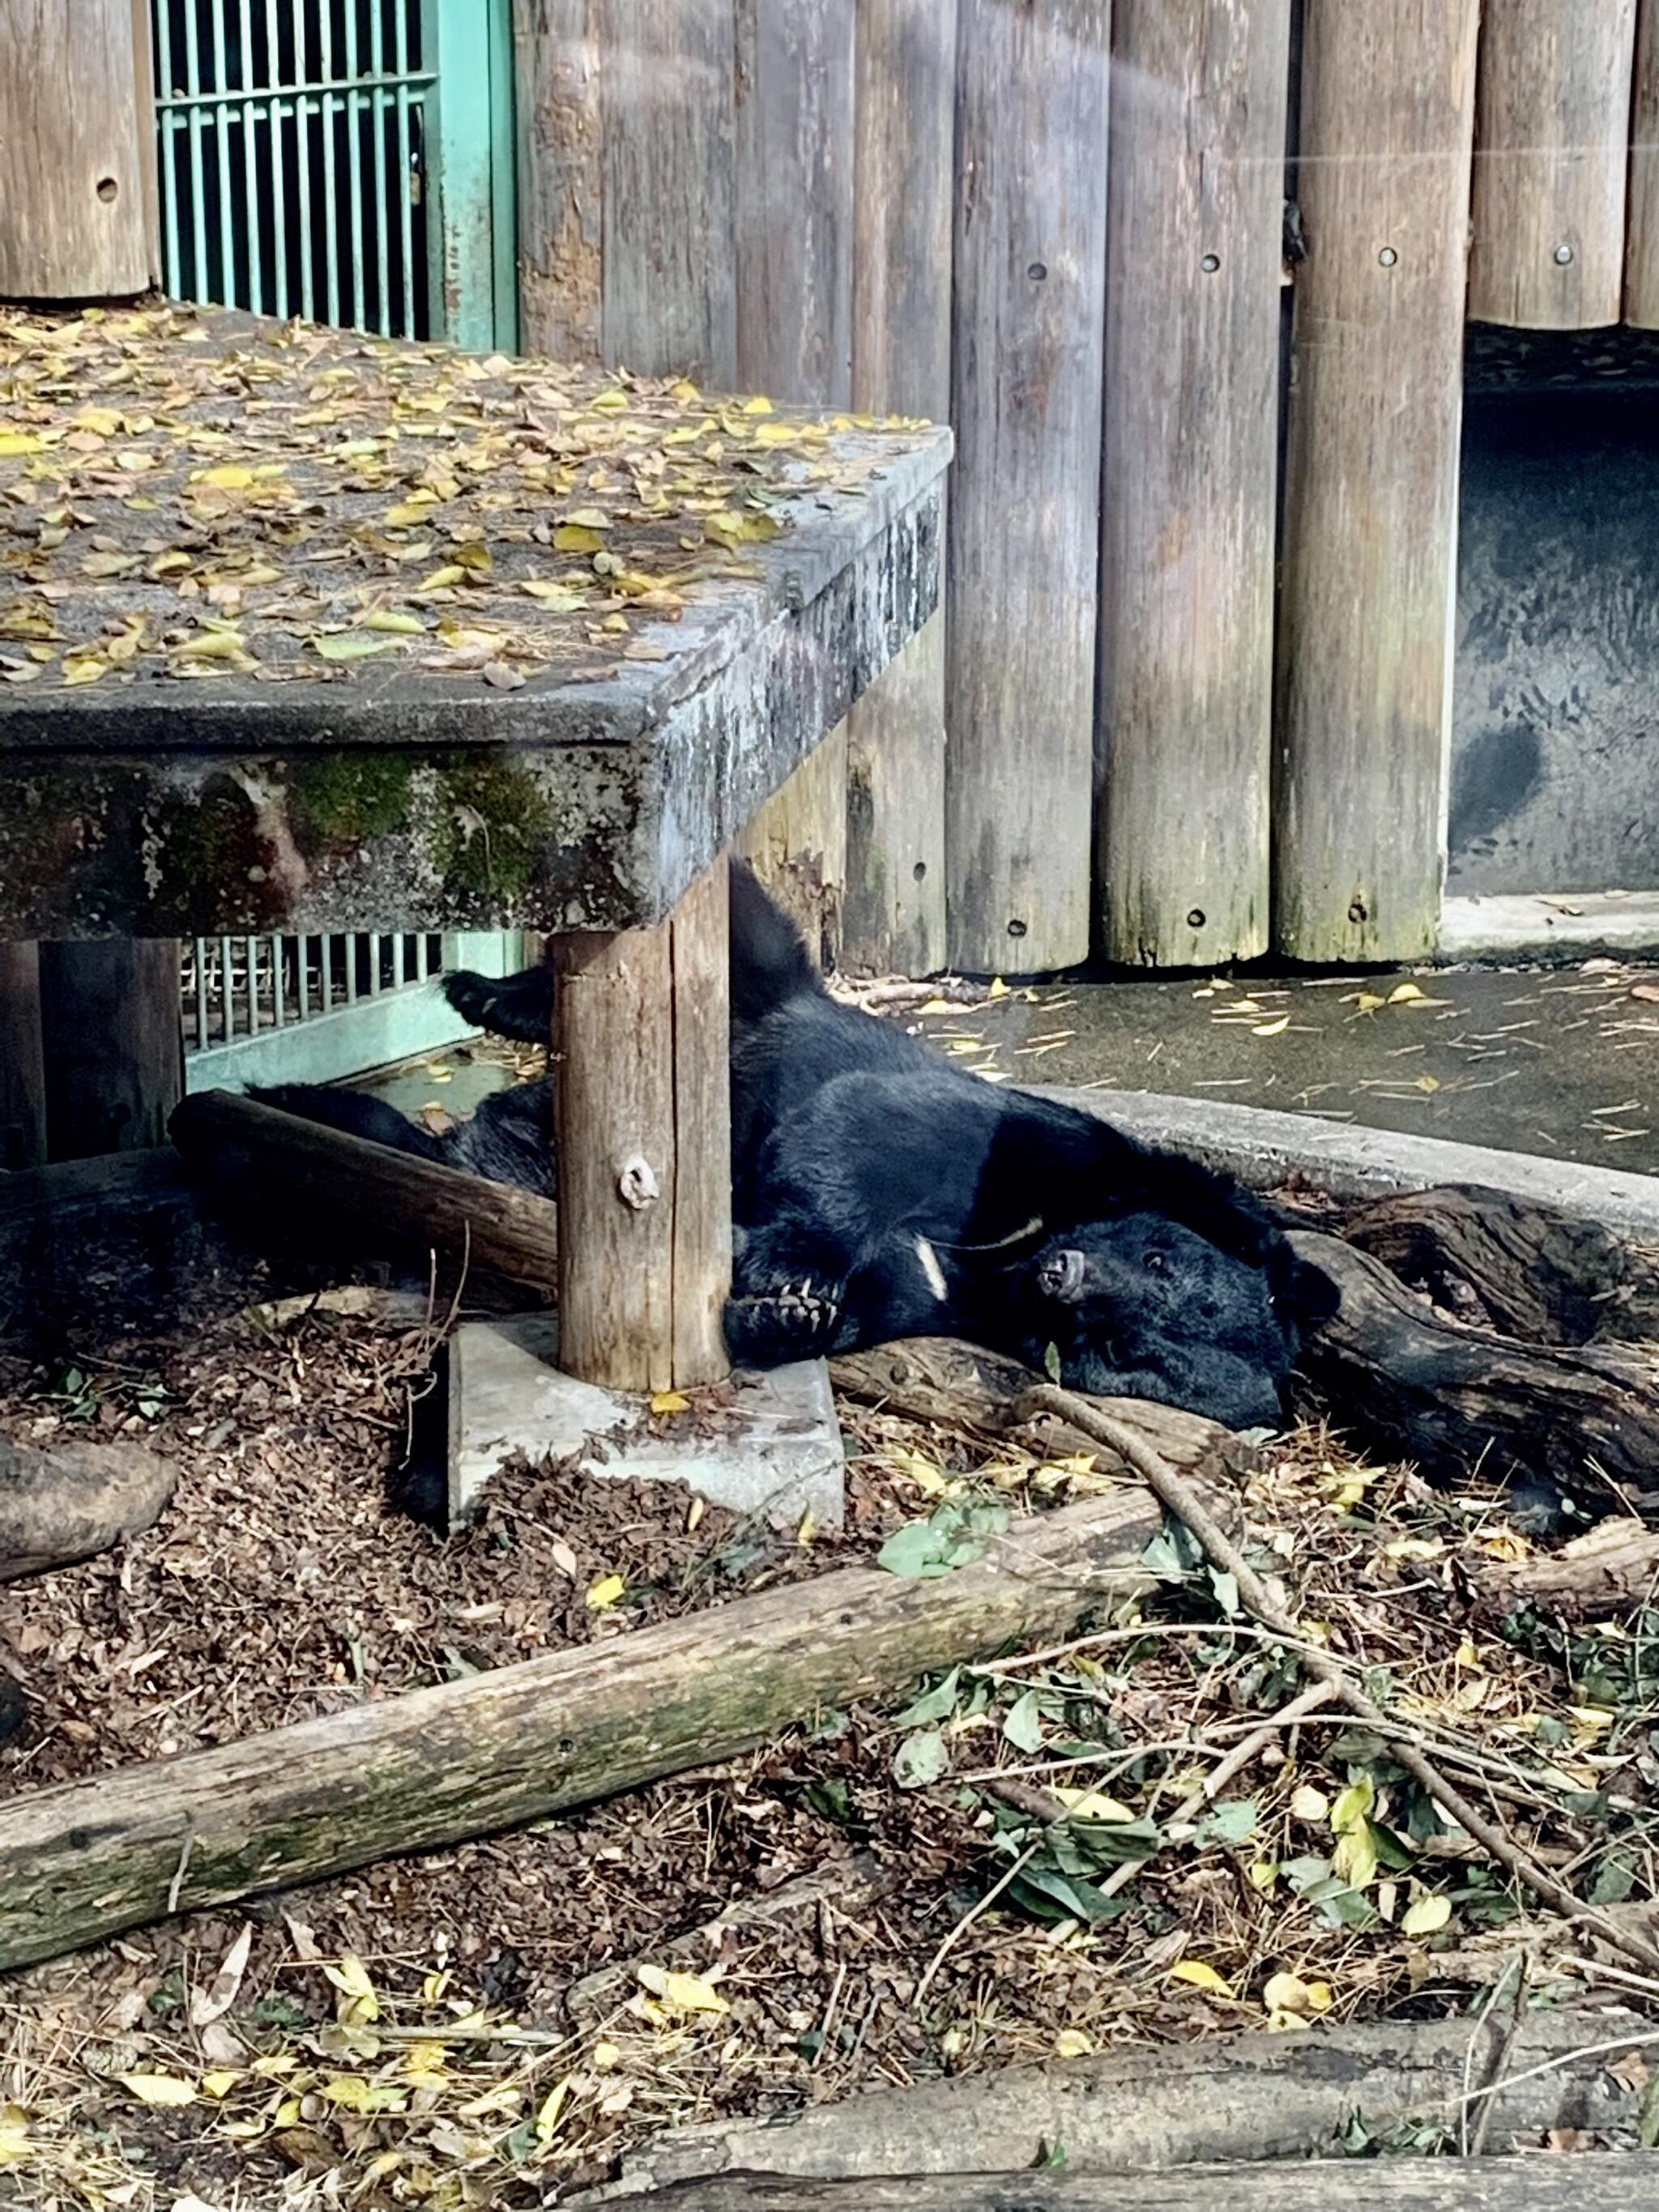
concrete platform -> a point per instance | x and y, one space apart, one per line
776 1453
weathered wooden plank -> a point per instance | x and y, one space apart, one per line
1189 513
1618 2181
89 1858
111 1043
560 179
1029 308
23 1072
668 278
1552 133
699 945
1371 496
1642 252
75 173
905 122
613 1060
793 231
794 199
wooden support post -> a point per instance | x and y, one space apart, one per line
1642 252
1552 145
905 110
1371 496
1189 511
797 844
76 153
112 1044
1030 318
23 1072
641 1104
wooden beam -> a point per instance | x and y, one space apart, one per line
321 1186
700 948
1190 508
22 1070
1552 148
1616 2181
1370 508
1642 251
904 164
1030 295
89 1858
560 179
112 1044
76 153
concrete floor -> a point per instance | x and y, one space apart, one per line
1560 1061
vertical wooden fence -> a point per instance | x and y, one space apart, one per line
1189 699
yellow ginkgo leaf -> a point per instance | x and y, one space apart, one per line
1286 1993
610 402
221 2081
551 2106
228 475
159 2088
1272 1029
670 1402
1427 1916
577 537
588 517
394 619
350 1977
757 405
1311 1804
681 1992
1369 1001
1092 1805
605 1592
12 443
1402 993
1073 2042
1202 1977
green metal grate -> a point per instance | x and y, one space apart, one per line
349 160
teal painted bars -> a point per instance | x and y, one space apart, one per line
346 160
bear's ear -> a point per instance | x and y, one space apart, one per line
1313 1296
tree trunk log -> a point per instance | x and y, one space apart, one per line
339 1190
1401 1378
464 1759
1610 1570
1615 2181
1529 1271
1251 2096
74 1500
937 1379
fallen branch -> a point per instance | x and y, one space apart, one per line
1609 1569
65 1501
1184 1502
1253 2096
324 1187
1449 1397
464 1759
940 1378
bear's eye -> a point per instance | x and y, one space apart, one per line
1154 1261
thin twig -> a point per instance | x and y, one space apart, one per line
972 1914
1183 1501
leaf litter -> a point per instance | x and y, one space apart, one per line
483 2024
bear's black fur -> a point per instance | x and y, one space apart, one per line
879 1192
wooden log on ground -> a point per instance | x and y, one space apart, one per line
1029 324
464 1759
1189 514
327 1189
1527 1270
1611 1569
64 1502
1250 2096
1552 148
76 151
939 1378
1642 247
905 120
1371 489
23 1068
1402 1379
1618 2181
112 1044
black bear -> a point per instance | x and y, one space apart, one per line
877 1191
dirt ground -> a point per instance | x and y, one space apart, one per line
876 1899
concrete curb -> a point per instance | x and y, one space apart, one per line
1263 1148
